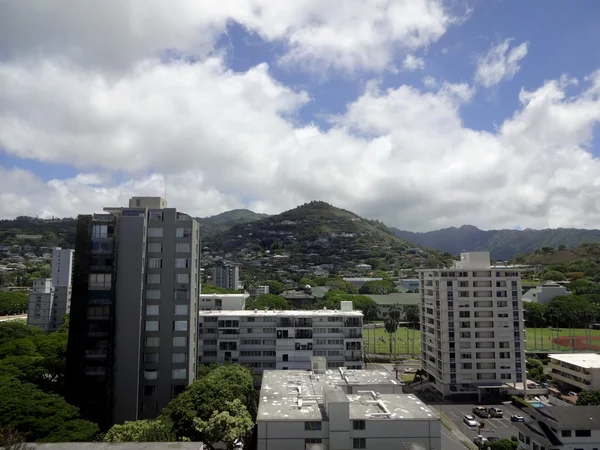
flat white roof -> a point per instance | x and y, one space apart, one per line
585 360
285 313
224 295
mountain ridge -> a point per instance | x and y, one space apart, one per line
502 244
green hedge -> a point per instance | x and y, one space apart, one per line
519 402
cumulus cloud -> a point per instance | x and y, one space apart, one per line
500 63
411 63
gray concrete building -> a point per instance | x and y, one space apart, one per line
340 410
39 308
62 266
226 276
132 339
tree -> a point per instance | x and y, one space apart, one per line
209 393
591 397
230 424
377 287
11 439
13 303
534 316
337 284
140 431
562 247
391 326
503 444
275 287
553 275
16 329
413 317
371 313
212 289
269 301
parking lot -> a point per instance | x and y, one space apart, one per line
502 428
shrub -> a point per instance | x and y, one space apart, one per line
519 402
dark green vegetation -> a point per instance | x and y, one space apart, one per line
578 259
212 289
268 301
54 232
591 397
32 367
318 233
502 244
13 303
222 222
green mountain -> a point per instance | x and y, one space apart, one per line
502 244
38 232
318 233
221 222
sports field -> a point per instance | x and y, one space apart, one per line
542 339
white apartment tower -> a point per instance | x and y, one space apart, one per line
62 266
472 327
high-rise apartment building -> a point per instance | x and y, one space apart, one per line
472 329
226 276
39 308
132 337
62 266
284 340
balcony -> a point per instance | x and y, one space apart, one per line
565 378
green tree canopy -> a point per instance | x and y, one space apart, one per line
337 284
503 444
553 275
212 289
229 424
534 313
591 397
411 314
13 303
378 287
140 431
269 301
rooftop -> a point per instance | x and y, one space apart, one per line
224 295
585 360
299 395
572 417
285 313
118 446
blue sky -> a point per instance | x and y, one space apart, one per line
421 113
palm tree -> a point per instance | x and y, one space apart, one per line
412 315
371 312
391 326
395 313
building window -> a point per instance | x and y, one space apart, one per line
179 357
179 341
181 310
583 433
151 374
152 310
359 425
151 358
154 263
182 247
99 232
359 443
313 425
152 341
565 433
153 278
180 325
182 263
152 294
150 391
179 374
155 232
181 294
151 325
183 232
155 247
183 278
99 281
310 441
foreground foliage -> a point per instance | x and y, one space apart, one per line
13 303
140 431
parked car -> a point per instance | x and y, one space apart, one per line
410 370
573 394
496 412
479 440
470 421
517 418
481 412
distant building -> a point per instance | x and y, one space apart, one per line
62 266
359 282
261 290
545 292
282 339
226 276
560 427
41 297
412 284
222 302
576 371
33 237
340 410
385 302
363 267
299 299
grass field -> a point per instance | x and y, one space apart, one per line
537 339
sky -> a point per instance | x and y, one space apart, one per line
424 114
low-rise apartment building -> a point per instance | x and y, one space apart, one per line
472 329
221 302
298 409
560 427
578 371
284 340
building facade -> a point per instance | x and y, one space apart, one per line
39 307
132 335
284 340
576 371
222 302
226 276
544 293
301 408
261 290
62 266
472 329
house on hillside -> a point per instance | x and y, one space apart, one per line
362 267
545 292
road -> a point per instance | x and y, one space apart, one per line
450 441
6 318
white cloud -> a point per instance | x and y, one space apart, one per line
364 34
411 63
429 82
500 63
